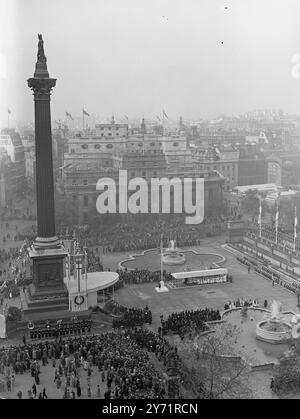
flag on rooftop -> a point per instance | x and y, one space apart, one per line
85 112
9 111
165 115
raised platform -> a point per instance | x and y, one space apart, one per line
161 287
43 304
40 311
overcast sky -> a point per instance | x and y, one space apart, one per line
195 58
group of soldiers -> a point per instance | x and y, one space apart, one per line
60 329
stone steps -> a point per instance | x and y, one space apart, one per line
46 308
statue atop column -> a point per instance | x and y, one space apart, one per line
41 64
41 54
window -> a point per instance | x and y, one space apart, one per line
109 134
74 197
74 182
144 175
85 200
152 144
85 217
97 146
155 173
140 144
132 174
85 146
175 144
109 145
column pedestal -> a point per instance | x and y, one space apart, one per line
48 292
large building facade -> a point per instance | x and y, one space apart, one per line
13 167
223 159
144 156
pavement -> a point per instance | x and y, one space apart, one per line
245 285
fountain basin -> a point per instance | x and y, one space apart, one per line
173 257
274 331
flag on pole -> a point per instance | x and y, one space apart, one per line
126 117
68 115
8 111
165 115
158 117
84 112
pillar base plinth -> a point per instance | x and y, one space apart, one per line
46 242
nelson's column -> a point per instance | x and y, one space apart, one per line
48 292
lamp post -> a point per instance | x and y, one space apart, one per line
78 262
86 268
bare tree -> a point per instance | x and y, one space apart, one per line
287 372
216 373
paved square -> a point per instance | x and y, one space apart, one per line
245 285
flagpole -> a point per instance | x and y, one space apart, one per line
259 217
276 225
295 229
161 259
82 119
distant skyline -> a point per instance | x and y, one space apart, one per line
195 58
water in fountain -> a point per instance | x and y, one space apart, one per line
274 329
172 255
275 310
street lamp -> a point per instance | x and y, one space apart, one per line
78 262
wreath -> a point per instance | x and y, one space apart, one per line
30 325
80 298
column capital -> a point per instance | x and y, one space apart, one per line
41 87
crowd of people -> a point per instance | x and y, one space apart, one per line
144 232
93 262
115 357
133 317
141 276
188 321
14 276
241 302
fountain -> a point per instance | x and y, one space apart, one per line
172 255
274 330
